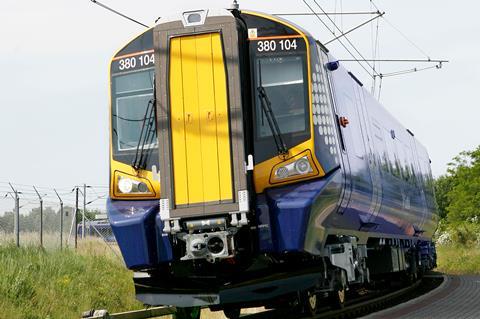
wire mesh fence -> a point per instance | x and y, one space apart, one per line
39 216
7 221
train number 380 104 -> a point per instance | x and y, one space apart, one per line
133 62
274 45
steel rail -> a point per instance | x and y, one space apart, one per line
136 314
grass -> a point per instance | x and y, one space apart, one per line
35 283
459 259
38 283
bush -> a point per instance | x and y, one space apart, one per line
464 234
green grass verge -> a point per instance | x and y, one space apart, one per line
458 259
35 283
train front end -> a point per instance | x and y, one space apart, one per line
222 140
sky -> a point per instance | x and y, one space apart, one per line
54 60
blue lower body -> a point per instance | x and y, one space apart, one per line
282 216
138 230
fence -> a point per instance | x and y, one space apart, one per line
44 217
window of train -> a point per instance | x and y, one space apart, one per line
132 94
283 80
282 72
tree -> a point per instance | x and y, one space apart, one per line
462 201
443 185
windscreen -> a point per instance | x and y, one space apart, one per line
132 95
283 80
280 69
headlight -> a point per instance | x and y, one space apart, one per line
299 167
125 185
130 186
302 166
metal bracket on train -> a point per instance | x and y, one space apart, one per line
170 226
239 219
238 222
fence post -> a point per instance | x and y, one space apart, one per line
41 216
61 219
84 209
17 216
75 216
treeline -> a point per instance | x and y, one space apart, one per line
30 222
458 199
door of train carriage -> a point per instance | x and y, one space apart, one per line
358 148
200 117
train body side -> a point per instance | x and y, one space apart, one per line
388 182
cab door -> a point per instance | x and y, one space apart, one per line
200 118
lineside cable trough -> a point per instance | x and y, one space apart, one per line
136 314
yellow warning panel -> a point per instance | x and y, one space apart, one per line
199 120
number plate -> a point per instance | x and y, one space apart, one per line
134 62
278 45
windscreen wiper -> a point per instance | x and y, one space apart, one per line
147 135
272 121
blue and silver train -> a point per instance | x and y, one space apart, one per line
248 167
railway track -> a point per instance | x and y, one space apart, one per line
356 307
366 304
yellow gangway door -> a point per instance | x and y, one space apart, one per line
201 152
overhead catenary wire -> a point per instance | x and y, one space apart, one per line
119 13
397 60
355 28
400 32
338 40
353 46
326 13
413 70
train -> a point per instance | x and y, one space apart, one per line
249 167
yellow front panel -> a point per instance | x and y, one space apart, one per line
223 130
178 123
199 119
206 98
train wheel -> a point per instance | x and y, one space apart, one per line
188 313
337 296
232 313
310 303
